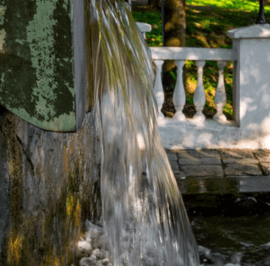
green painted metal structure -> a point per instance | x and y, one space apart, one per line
37 68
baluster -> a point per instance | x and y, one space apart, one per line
199 95
179 95
220 96
158 88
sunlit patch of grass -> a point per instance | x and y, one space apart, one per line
244 5
153 38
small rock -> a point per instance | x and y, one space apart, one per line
105 261
205 252
236 257
90 261
96 234
93 257
105 254
84 248
266 261
266 245
219 259
246 244
97 253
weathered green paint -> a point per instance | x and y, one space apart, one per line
37 62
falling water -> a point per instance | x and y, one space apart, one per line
144 217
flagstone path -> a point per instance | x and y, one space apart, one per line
221 171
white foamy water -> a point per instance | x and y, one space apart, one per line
144 218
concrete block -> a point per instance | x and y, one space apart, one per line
266 168
238 156
172 155
191 153
202 170
242 169
190 161
262 155
175 167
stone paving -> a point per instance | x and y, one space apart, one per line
224 163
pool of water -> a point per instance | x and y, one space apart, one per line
233 231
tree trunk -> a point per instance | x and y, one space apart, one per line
175 35
154 4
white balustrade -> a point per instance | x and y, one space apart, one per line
200 55
144 27
250 110
158 88
220 96
199 95
179 96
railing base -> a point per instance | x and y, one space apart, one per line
210 134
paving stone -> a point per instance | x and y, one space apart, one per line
244 161
198 154
235 156
202 170
262 155
181 186
189 161
175 167
266 168
172 155
236 153
242 169
180 176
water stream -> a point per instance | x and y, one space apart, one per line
144 217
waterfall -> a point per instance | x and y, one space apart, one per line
144 217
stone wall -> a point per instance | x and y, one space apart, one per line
49 185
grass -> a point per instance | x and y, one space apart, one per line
206 28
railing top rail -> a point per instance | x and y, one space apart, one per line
144 27
193 53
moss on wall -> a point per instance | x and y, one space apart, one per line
43 230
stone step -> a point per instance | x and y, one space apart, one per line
221 171
227 185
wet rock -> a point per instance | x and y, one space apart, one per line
219 257
236 257
258 257
246 245
105 261
88 261
84 248
96 234
266 261
97 253
205 255
248 204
